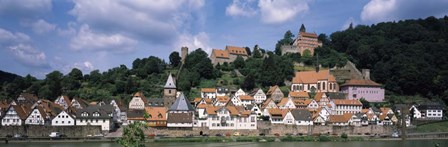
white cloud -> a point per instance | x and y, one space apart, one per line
24 8
389 10
41 26
157 22
200 40
88 40
279 11
241 8
28 55
7 37
85 66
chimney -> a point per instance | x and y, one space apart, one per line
366 74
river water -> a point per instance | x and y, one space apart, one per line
414 143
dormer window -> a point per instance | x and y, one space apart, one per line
160 115
84 114
150 116
96 114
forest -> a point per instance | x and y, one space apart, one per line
408 57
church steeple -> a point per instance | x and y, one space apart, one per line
170 82
169 91
302 28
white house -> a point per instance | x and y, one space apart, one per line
79 103
277 116
15 115
302 117
37 116
255 109
63 119
229 118
221 101
63 100
417 113
286 103
259 96
431 111
96 116
240 92
246 100
138 101
236 100
321 116
208 93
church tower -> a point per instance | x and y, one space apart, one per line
169 92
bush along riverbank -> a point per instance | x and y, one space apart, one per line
322 138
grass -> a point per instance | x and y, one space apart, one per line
322 138
433 127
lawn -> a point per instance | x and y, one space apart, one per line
434 127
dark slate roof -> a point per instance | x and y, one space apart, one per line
249 107
222 90
431 106
361 116
170 82
375 109
155 102
180 118
336 95
135 113
181 104
103 110
301 114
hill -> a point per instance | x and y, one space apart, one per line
7 77
409 57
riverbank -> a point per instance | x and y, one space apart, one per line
211 139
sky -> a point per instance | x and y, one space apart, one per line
40 36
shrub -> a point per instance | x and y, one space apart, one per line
344 136
324 138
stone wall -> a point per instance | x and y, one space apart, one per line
44 131
269 129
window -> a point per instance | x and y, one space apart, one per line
62 121
169 91
69 122
56 121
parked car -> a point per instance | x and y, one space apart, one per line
98 135
262 134
55 135
19 136
9 136
395 135
218 135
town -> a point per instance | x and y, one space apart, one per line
314 98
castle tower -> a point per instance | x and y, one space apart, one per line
184 53
169 92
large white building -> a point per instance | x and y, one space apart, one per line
230 118
96 116
15 116
342 106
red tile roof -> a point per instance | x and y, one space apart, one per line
310 77
236 50
354 82
220 53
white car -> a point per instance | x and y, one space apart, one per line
55 135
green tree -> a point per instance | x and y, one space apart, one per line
249 83
239 62
365 103
133 136
53 80
175 59
288 38
248 51
257 52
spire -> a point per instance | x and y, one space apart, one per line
181 104
170 82
302 28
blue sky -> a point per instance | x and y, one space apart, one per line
40 36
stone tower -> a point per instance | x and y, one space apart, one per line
169 92
184 53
